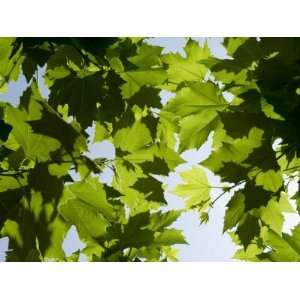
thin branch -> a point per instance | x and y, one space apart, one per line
215 200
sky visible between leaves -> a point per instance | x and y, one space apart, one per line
206 242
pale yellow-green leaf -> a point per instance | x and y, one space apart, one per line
195 188
270 180
272 216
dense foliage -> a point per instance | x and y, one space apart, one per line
49 182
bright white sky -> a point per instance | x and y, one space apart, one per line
205 242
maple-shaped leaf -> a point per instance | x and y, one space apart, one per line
81 94
255 196
195 129
195 52
232 172
101 132
69 136
147 56
135 232
92 192
248 230
132 138
233 43
252 253
151 188
285 248
270 180
157 166
146 96
10 61
135 80
187 68
272 216
159 220
234 151
87 217
169 237
50 227
41 180
195 98
195 189
34 144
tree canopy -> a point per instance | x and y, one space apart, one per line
114 86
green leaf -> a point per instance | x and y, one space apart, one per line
167 127
195 189
101 133
146 96
255 196
87 218
284 204
234 151
135 80
159 220
147 56
171 157
51 229
235 211
204 217
81 94
21 242
196 128
91 191
10 61
270 180
69 136
182 69
50 186
250 254
233 43
133 138
196 98
272 216
284 248
135 232
157 166
151 188
248 230
169 237
195 52
35 146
